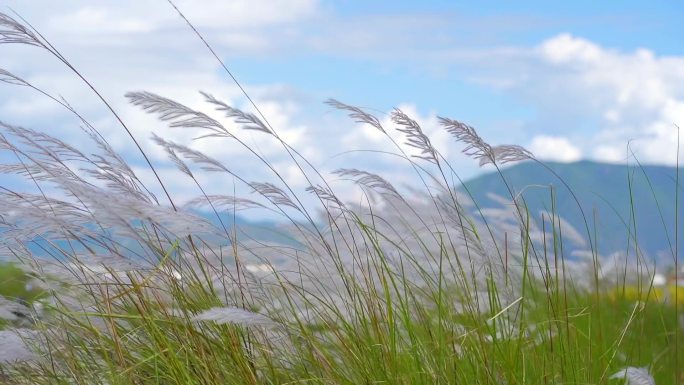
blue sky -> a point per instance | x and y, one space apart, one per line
569 81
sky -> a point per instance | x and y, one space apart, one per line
567 80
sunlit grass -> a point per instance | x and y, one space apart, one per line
407 288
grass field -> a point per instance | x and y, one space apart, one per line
542 337
410 287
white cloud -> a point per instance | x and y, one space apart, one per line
134 16
249 13
554 148
34 111
634 95
566 49
604 96
610 154
363 136
256 27
98 19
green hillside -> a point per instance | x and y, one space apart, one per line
604 193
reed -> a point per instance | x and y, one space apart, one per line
407 287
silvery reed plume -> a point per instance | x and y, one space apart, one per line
635 376
408 285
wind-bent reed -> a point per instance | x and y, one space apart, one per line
409 287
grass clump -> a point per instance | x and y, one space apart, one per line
15 283
404 288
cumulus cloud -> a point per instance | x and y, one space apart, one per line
134 46
554 148
604 96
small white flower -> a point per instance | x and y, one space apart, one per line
173 273
234 315
260 268
635 376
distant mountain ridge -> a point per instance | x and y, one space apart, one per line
608 194
603 191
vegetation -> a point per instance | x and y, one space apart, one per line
15 283
416 287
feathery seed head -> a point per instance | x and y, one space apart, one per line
234 315
635 376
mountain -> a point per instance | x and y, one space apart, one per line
265 230
608 195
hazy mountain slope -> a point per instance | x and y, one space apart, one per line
602 189
604 193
